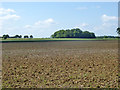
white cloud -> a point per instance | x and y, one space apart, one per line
106 29
6 11
41 24
14 17
27 26
82 26
108 26
6 14
50 20
42 27
7 18
10 10
106 18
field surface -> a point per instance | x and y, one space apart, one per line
62 64
53 39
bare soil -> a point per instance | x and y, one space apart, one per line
62 64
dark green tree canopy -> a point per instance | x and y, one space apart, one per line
118 30
5 36
26 36
17 36
31 36
73 33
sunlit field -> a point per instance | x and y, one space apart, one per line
53 39
61 64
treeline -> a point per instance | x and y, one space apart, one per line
16 36
73 33
107 37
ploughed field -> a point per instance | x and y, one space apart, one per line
61 64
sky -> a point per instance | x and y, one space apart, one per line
42 19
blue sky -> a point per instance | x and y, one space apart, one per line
41 19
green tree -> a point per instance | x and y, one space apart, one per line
31 36
16 36
5 36
73 33
26 36
93 35
20 36
105 36
118 30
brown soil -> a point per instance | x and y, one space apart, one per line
63 64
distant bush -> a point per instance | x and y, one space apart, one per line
107 37
26 36
17 36
31 36
118 30
5 36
